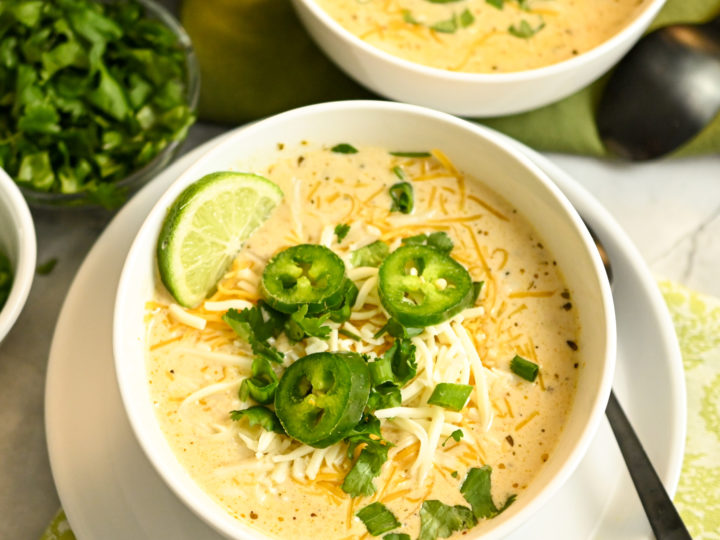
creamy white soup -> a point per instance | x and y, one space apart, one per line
484 36
508 423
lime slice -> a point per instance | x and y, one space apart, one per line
205 228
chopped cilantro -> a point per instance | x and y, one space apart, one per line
370 255
259 416
476 490
438 240
341 231
377 518
466 18
396 536
384 396
256 325
455 436
396 366
448 26
299 325
439 520
89 92
524 30
408 17
368 465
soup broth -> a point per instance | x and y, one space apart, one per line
285 489
484 36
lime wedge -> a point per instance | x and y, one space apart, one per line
205 228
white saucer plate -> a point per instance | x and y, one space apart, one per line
110 491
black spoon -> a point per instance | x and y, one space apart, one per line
663 92
664 519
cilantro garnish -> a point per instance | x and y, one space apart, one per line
259 416
368 465
341 231
261 384
438 240
370 255
396 366
476 490
524 30
439 520
89 93
256 325
377 518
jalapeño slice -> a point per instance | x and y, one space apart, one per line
421 286
321 397
304 274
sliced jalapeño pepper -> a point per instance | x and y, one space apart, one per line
304 274
421 286
321 397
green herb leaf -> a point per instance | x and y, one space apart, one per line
402 197
466 18
399 172
256 325
384 396
439 520
299 325
262 383
438 240
408 18
397 365
344 148
448 26
456 436
368 465
524 368
396 536
371 255
259 416
397 330
476 489
524 30
367 431
377 518
450 395
45 268
496 3
341 312
341 231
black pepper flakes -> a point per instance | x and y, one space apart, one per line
572 344
510 440
567 306
253 515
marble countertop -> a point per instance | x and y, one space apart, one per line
670 209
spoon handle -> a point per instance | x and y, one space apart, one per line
661 512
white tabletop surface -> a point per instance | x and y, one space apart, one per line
670 209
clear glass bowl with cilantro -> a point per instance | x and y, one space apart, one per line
95 97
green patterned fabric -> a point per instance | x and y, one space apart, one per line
697 323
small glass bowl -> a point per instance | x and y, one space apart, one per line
138 178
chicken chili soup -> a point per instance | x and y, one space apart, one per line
392 351
484 36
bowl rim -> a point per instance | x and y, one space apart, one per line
640 21
25 258
192 495
54 200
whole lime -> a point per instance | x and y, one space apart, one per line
256 59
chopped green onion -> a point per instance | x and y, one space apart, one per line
450 395
399 172
411 154
377 518
524 368
396 536
384 396
448 26
397 330
348 333
341 231
344 148
402 197
262 383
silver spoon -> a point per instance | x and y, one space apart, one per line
663 92
664 519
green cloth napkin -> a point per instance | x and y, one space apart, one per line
573 119
697 323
